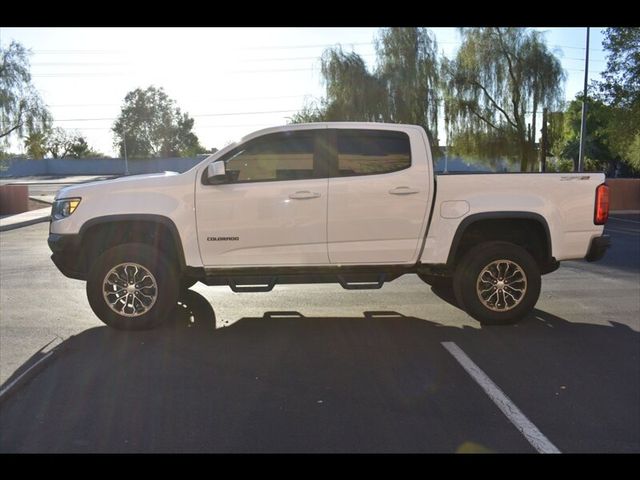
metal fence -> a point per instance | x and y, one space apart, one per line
20 167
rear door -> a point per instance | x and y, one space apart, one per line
379 194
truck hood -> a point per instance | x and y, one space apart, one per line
129 182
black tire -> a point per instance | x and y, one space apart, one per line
166 281
466 283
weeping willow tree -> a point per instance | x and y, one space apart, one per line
499 78
352 92
312 111
403 89
408 66
22 109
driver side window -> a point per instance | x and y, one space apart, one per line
273 157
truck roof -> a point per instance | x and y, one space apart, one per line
315 125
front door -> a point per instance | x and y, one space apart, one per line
272 209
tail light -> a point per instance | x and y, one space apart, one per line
601 213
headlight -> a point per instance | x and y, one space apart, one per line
64 207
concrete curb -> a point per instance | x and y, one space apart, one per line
32 367
25 219
45 199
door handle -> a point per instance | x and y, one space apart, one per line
303 195
403 191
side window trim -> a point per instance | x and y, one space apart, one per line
326 157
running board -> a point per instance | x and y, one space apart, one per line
361 284
256 279
253 287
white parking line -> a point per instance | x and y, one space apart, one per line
534 436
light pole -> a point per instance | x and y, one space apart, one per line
126 161
583 126
446 158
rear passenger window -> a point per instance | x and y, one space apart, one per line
370 152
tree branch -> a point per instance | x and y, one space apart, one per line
4 134
18 125
516 97
483 119
493 102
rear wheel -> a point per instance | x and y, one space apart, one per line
132 287
497 283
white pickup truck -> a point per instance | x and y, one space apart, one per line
351 203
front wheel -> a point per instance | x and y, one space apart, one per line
132 287
497 283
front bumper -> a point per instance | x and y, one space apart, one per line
67 255
598 248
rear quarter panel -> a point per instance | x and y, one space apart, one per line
565 201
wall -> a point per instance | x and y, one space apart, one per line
94 166
14 199
625 193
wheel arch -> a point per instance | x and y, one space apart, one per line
118 229
485 221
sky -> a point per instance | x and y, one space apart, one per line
232 81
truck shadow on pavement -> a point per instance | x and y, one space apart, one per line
289 383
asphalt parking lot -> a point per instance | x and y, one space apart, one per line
322 369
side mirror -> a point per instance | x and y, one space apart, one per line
216 172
